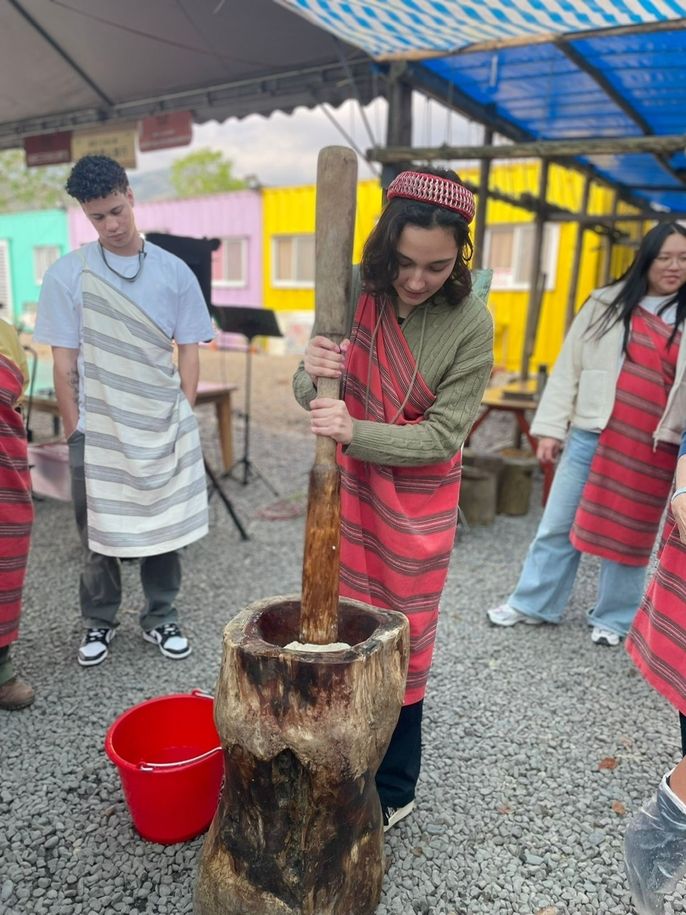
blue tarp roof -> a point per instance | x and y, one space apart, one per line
568 82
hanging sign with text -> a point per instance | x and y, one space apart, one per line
48 149
165 130
118 143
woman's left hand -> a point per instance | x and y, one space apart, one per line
330 417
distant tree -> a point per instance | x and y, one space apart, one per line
204 171
23 188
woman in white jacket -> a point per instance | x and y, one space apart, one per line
616 395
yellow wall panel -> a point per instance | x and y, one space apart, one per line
291 211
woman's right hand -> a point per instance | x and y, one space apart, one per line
548 450
324 358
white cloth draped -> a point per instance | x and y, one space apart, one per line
145 476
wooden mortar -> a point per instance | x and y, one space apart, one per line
298 830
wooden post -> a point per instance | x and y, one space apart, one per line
481 205
576 259
535 284
399 119
606 266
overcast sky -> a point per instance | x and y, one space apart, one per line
282 149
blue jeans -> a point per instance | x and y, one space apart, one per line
550 567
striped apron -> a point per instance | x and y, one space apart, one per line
145 478
397 523
657 640
631 477
16 507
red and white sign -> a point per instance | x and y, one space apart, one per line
48 149
165 130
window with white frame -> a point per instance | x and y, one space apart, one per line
43 257
509 253
229 262
293 261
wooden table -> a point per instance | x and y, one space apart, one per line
208 392
505 399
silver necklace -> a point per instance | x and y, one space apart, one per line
142 254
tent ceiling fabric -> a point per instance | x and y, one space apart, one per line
388 28
75 63
544 92
547 72
568 82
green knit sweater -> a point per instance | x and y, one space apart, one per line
455 361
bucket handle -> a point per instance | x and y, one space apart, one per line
150 767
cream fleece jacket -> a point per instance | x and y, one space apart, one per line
581 388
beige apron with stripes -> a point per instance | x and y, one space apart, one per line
145 478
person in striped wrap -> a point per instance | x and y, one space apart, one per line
655 839
16 514
414 369
617 395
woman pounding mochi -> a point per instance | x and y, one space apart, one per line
414 367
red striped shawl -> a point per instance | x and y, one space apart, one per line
16 508
630 478
398 523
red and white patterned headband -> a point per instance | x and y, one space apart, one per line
441 192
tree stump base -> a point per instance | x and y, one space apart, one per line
478 492
515 482
298 830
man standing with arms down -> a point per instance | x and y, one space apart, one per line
111 311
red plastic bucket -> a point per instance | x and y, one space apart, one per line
170 763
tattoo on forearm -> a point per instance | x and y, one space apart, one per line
73 379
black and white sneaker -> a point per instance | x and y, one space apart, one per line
170 640
94 647
393 815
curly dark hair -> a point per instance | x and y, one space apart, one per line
379 264
96 176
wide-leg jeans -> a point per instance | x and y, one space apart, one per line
547 578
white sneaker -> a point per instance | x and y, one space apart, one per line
600 636
393 815
94 647
170 640
505 615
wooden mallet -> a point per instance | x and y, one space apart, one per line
335 228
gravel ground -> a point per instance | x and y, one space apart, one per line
538 745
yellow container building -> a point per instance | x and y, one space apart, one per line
288 261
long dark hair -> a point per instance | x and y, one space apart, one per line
379 264
634 285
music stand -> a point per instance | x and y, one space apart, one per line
250 322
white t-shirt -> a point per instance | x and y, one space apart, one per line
166 290
653 303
